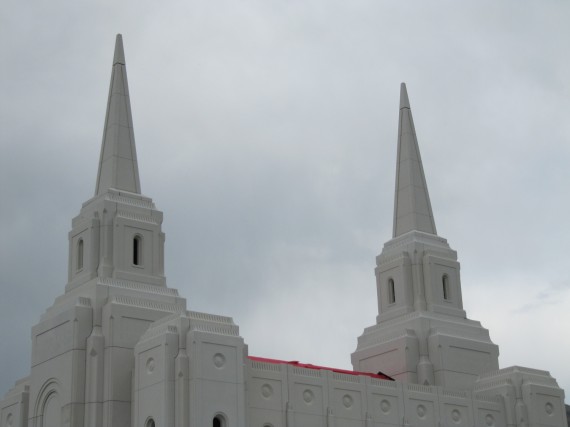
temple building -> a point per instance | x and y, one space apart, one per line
119 348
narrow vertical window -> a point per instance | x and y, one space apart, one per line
391 291
217 421
137 249
445 285
80 254
150 423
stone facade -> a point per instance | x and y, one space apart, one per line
119 348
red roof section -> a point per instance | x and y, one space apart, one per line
379 375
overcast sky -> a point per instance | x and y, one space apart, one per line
266 133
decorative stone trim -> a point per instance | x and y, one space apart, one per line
160 290
419 388
148 204
454 393
215 329
512 370
141 303
83 301
158 330
488 398
346 377
306 372
263 366
137 217
196 315
383 383
493 384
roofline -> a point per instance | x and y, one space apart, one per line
379 375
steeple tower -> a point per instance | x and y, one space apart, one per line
412 207
117 234
118 166
83 350
422 333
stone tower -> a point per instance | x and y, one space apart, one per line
83 346
422 333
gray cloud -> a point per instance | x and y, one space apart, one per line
546 295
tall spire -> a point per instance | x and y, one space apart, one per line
412 208
118 166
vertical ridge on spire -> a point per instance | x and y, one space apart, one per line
412 207
118 167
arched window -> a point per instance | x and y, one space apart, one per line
391 291
137 250
48 409
80 254
219 421
51 415
445 287
149 423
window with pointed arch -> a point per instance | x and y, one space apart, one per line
150 423
445 287
79 264
391 291
137 250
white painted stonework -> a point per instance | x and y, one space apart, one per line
119 348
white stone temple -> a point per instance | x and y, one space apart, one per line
119 348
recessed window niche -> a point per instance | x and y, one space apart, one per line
79 264
137 250
219 421
445 287
391 291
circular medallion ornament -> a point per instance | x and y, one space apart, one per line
308 396
489 420
456 416
385 406
266 391
150 365
421 411
219 360
347 401
549 408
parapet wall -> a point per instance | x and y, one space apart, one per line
282 395
532 397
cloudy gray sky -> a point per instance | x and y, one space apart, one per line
266 132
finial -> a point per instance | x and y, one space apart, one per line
404 101
119 57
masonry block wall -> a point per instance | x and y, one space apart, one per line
281 395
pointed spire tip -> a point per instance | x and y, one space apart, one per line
412 207
118 166
119 57
404 101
